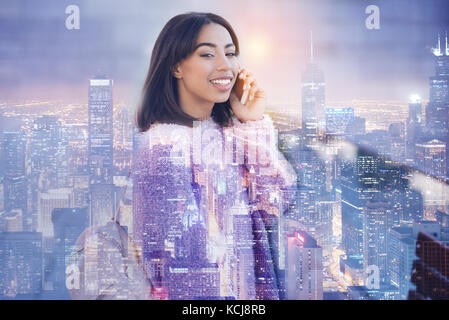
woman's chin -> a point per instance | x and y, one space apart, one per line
222 99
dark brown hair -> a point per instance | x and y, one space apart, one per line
160 101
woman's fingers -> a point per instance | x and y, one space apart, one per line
243 73
250 83
253 89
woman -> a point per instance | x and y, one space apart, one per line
208 178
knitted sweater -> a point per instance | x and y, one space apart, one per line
207 203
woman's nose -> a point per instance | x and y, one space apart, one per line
223 62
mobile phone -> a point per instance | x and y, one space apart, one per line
238 87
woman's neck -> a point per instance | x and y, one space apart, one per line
198 108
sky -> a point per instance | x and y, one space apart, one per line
41 59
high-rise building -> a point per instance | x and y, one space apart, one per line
304 267
414 124
359 182
190 275
400 255
437 111
431 157
15 181
197 282
124 129
68 224
323 226
338 120
48 163
443 220
358 127
312 98
396 138
20 265
401 252
44 142
103 199
100 148
47 201
2 193
414 120
375 228
12 220
412 206
243 253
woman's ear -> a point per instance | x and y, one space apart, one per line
176 72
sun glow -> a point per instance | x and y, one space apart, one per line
259 48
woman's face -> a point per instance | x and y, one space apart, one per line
209 73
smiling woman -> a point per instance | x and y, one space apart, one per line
180 48
207 76
209 181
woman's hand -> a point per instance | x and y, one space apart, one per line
255 105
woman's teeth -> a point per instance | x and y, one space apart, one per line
224 81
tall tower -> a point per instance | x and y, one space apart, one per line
304 264
431 157
100 143
15 180
47 151
20 265
414 123
100 150
437 111
375 229
68 224
313 98
359 183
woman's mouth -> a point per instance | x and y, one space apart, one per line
222 84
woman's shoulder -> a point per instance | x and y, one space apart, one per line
166 134
162 142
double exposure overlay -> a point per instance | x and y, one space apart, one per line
340 192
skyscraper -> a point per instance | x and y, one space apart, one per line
20 264
15 181
304 267
414 123
100 147
47 201
338 120
68 224
375 227
359 183
431 158
45 137
47 153
100 150
437 111
312 98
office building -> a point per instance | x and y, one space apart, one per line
304 268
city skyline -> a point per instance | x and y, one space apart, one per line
50 61
332 208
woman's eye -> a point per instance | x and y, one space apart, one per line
232 54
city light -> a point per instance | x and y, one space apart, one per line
414 98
